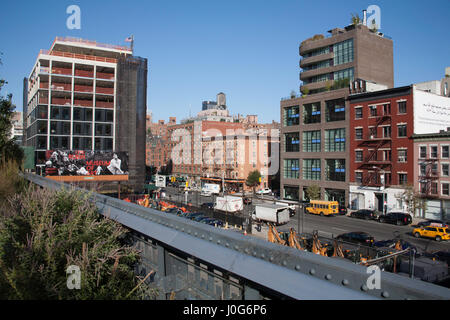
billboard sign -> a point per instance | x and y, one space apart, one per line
85 163
431 112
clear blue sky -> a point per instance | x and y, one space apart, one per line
247 49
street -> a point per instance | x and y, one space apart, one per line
328 227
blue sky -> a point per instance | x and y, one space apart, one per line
247 49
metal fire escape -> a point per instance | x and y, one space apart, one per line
371 142
427 177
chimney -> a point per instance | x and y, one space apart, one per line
365 17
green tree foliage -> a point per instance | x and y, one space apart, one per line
413 200
313 192
253 179
355 19
44 231
8 148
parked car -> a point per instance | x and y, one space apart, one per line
357 237
342 210
392 243
207 205
247 200
199 218
435 233
365 214
264 191
398 218
212 222
433 223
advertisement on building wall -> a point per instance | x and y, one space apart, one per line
431 112
85 163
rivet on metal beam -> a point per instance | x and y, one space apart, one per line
297 267
328 277
210 239
271 259
345 282
263 256
218 241
385 294
312 272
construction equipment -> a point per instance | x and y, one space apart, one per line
338 252
317 247
293 240
273 235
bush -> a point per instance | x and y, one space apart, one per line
46 231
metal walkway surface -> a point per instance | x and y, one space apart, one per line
197 261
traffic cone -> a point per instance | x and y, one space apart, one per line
245 232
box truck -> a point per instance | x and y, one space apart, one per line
229 204
273 213
210 189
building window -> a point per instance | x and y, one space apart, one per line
311 141
387 132
311 169
373 111
434 188
359 113
335 140
290 193
445 152
402 107
402 155
343 52
335 170
358 155
401 130
445 169
291 168
423 152
387 109
434 152
445 189
292 142
358 177
387 155
311 113
291 116
335 110
402 178
359 133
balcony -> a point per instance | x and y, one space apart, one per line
104 90
321 57
62 71
105 75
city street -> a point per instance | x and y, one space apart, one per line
328 227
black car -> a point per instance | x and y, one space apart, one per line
398 218
365 214
357 237
207 205
342 210
433 223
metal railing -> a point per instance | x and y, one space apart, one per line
262 266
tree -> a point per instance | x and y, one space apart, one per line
9 150
413 200
355 19
313 192
43 232
253 179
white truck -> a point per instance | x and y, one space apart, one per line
210 189
269 212
291 207
229 204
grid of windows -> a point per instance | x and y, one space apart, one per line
318 78
311 113
291 168
311 169
335 140
291 116
335 170
292 142
317 52
318 65
343 52
335 110
344 74
311 141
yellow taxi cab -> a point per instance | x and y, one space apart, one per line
437 233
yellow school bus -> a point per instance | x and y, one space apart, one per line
323 208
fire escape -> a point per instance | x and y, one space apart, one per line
372 142
427 177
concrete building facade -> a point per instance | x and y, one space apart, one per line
315 148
